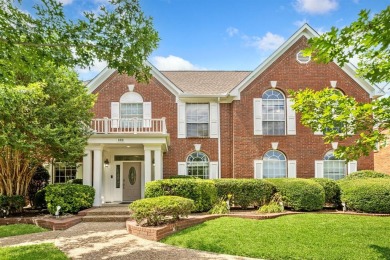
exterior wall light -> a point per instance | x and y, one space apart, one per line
106 163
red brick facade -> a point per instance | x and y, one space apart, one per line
239 146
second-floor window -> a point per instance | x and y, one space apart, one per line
273 113
130 112
197 119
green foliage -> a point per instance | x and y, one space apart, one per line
75 181
367 174
322 110
300 194
159 210
183 177
118 33
275 205
332 190
71 197
38 181
11 204
19 229
40 251
299 236
39 199
202 192
245 192
366 39
366 194
220 207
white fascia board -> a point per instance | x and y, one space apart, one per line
305 30
164 80
99 79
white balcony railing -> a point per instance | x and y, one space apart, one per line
128 125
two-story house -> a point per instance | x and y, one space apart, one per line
213 124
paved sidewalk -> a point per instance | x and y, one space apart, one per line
108 240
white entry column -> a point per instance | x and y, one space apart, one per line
158 164
87 168
148 164
97 176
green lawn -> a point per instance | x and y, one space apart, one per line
19 229
302 236
41 251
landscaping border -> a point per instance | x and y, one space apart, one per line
49 223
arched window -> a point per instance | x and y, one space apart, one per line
273 113
131 110
198 165
334 168
274 164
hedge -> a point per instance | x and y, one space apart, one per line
158 210
245 192
370 195
11 204
300 194
367 174
332 190
71 197
202 192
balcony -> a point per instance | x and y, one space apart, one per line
128 126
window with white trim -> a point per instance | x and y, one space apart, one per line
334 168
273 113
64 172
131 114
197 120
274 164
198 165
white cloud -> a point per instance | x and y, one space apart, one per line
90 73
269 42
65 2
300 23
173 63
231 31
316 6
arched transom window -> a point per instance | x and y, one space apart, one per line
198 165
334 168
274 164
273 113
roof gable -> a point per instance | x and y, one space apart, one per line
308 32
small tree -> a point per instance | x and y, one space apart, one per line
38 181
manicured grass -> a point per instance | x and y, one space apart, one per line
303 236
41 251
19 229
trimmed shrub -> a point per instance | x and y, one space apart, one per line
11 204
367 174
38 181
183 177
39 199
202 192
300 194
370 195
71 197
245 192
75 181
159 210
332 190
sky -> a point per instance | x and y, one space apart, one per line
227 34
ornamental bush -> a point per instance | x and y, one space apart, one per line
370 195
332 190
11 204
71 197
38 181
245 192
202 192
159 210
300 194
367 174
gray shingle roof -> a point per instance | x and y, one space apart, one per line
206 82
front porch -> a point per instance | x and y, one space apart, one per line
122 156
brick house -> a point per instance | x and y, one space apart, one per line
213 124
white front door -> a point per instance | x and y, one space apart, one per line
131 179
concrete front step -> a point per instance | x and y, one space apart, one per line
106 218
105 213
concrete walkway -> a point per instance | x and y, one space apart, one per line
108 240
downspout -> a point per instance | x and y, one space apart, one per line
219 141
